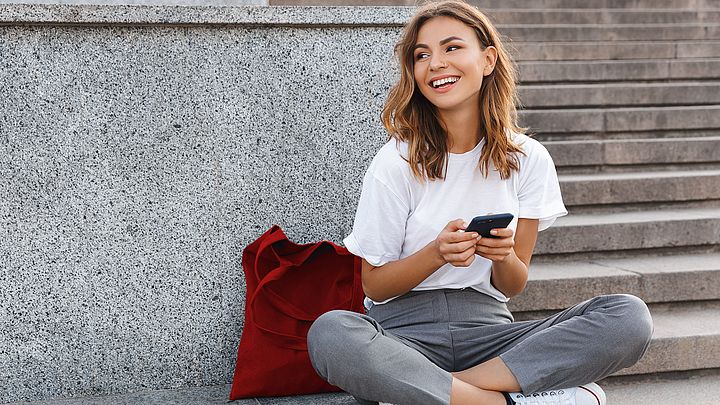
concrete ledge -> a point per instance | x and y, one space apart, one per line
634 151
630 230
620 94
655 279
48 14
617 70
620 188
621 119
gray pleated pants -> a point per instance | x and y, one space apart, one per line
402 352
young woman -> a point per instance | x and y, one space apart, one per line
437 329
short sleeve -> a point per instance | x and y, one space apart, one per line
539 189
379 227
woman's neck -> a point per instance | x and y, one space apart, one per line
463 128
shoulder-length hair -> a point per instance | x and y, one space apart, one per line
408 116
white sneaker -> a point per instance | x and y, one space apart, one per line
588 394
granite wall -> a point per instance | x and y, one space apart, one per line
141 148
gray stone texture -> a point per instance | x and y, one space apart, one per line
631 230
634 151
655 279
621 119
145 2
620 94
617 70
530 4
622 188
135 165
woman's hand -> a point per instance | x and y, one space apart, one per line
456 248
497 249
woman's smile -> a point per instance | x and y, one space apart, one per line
444 84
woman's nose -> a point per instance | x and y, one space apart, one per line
438 62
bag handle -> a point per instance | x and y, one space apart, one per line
289 340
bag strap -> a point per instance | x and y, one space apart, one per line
287 340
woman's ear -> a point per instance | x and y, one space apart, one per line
489 57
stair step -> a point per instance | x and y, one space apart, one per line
532 51
609 32
618 70
686 337
683 277
621 119
634 187
619 94
588 233
634 151
697 387
602 16
611 4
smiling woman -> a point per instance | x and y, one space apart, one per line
437 328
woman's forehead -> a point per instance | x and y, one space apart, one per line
437 29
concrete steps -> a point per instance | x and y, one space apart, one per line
629 119
635 187
526 4
534 72
588 95
654 278
603 16
625 152
529 51
593 234
609 32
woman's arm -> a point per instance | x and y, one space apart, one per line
511 258
398 277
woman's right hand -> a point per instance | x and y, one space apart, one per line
456 248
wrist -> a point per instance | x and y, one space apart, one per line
438 258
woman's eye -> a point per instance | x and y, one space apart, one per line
421 56
452 47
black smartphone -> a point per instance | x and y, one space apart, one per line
483 224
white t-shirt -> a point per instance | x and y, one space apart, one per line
398 215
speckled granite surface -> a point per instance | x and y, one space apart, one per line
206 15
145 2
135 164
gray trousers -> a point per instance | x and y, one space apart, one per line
402 352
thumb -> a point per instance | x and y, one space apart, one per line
455 225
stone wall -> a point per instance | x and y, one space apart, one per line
141 148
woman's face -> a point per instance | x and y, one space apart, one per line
450 64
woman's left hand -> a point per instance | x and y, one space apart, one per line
496 249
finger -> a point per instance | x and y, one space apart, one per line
489 251
460 257
502 232
456 237
496 242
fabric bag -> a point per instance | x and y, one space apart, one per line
288 287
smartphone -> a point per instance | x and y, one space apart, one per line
483 224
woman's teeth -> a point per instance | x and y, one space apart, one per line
438 83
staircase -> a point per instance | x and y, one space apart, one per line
626 97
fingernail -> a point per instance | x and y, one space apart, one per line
493 232
474 235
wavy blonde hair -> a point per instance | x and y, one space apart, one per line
408 116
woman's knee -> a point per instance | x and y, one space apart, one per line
636 322
328 338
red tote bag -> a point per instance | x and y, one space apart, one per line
288 287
